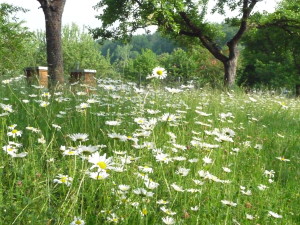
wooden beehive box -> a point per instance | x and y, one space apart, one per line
37 75
84 76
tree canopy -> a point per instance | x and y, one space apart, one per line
183 17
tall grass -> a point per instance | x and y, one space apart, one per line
193 157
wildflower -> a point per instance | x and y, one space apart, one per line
173 90
42 140
161 157
83 105
151 111
193 190
227 170
113 123
57 127
207 160
50 160
100 162
167 211
196 208
198 182
140 120
158 72
9 149
7 81
142 191
81 93
244 191
229 203
79 137
46 94
182 171
12 149
35 130
269 173
69 151
113 218
228 132
77 221
177 187
63 179
162 202
262 187
249 217
151 184
91 101
82 149
14 133
145 169
124 187
194 160
281 158
168 220
100 175
109 87
275 215
203 113
7 108
258 146
44 104
222 137
168 117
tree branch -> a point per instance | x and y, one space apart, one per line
247 9
209 44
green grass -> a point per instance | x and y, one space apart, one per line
262 127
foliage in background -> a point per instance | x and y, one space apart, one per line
15 44
80 51
272 56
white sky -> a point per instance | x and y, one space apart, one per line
82 13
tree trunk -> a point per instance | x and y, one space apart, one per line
53 11
230 67
297 90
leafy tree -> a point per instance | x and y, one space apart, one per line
181 17
80 50
53 11
142 65
14 40
272 55
197 64
154 42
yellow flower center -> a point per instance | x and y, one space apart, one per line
102 165
145 211
99 177
159 72
78 222
9 149
63 179
14 131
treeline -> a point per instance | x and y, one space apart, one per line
270 54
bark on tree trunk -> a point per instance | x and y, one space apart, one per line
230 67
297 90
53 11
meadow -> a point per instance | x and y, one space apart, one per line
117 153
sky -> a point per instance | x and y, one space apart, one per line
82 13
